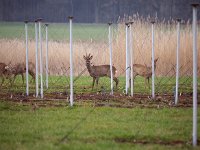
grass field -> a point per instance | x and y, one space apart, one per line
59 32
83 84
94 128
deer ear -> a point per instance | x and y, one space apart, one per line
156 59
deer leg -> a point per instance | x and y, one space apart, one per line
22 77
11 82
97 81
134 75
133 80
116 81
93 82
148 82
2 81
145 82
14 78
31 78
32 75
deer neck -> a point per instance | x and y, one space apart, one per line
88 65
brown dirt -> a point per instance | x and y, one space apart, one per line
59 99
160 142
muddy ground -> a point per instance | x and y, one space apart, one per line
99 100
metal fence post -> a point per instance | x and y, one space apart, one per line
27 83
127 59
177 59
195 58
153 68
47 55
110 47
36 57
41 60
131 56
71 63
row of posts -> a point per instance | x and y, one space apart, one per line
38 48
129 62
129 58
129 54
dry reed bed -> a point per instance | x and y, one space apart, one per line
13 51
165 48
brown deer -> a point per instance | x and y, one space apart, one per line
144 71
20 69
5 72
99 71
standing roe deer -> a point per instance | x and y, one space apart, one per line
20 69
144 71
99 71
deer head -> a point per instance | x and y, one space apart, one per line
88 57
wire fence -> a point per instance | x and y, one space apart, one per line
93 39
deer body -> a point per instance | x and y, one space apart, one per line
143 71
99 71
20 69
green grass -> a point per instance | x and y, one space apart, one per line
163 85
57 31
93 128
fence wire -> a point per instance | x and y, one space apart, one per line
93 39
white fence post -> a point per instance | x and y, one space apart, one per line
177 60
27 83
153 68
110 47
36 57
131 56
47 55
127 59
41 60
71 63
195 58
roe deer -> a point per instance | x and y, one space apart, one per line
99 71
143 71
20 69
5 72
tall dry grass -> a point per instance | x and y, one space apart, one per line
14 51
165 48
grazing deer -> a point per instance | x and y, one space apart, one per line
20 69
99 71
144 71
